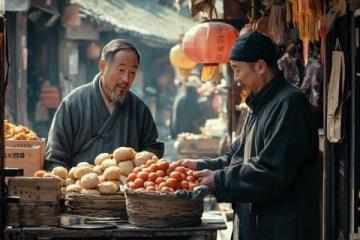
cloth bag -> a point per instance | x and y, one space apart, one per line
335 97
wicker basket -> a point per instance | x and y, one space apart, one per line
112 205
151 209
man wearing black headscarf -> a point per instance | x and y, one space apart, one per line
271 175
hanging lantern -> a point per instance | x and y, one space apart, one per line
210 43
181 61
93 51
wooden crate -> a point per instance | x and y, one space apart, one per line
25 154
39 203
30 189
186 146
32 214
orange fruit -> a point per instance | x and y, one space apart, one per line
136 169
190 178
150 162
138 183
180 169
152 176
160 173
161 185
174 165
151 189
143 175
184 184
159 180
171 182
148 184
131 177
163 165
154 167
176 175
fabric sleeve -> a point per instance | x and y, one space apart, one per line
269 173
61 138
149 134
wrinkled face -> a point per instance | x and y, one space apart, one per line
249 75
119 74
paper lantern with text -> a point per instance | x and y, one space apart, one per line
210 43
181 61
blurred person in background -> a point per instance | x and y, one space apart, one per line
186 114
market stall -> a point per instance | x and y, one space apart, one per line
124 194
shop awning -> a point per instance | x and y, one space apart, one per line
144 19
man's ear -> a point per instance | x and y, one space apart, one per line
101 65
261 66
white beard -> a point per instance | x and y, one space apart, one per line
116 99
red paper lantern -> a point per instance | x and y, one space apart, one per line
210 42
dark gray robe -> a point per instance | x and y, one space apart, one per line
82 127
275 192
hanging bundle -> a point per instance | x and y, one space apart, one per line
276 24
306 16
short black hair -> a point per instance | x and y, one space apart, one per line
110 49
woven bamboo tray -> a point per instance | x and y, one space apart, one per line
151 209
112 205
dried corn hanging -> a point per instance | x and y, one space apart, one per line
306 16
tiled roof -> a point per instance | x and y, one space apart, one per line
142 18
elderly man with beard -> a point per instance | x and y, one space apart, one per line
103 114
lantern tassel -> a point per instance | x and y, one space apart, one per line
211 72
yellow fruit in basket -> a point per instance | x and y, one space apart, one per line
126 167
142 157
69 181
72 172
89 181
107 163
101 157
49 175
61 172
73 188
80 164
19 136
108 187
101 178
117 182
97 170
112 173
123 154
81 171
40 173
90 191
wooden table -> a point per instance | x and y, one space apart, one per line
211 222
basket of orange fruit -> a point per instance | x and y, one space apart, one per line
152 199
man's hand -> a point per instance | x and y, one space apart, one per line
189 163
207 178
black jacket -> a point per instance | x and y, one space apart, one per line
275 194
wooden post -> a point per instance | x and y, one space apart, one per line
20 68
2 105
